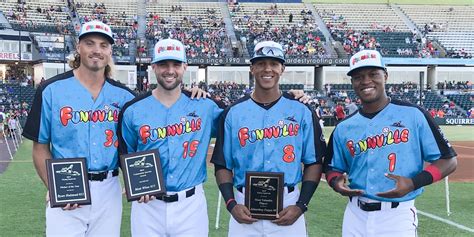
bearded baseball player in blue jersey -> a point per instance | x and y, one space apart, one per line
180 128
75 114
376 155
268 131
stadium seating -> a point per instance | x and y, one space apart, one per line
255 22
42 16
450 25
369 26
465 101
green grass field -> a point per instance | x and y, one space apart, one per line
22 203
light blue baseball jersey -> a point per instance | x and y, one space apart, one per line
65 115
397 140
181 133
275 139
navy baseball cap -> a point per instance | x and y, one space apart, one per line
96 27
268 49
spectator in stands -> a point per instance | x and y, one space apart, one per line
445 105
440 113
12 125
452 105
470 113
351 108
433 112
339 112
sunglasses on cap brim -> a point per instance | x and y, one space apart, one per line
269 52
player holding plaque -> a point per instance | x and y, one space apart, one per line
68 182
268 131
167 119
264 194
142 174
75 114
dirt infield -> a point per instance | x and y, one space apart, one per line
465 168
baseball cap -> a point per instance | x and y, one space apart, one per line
169 49
96 27
365 58
268 49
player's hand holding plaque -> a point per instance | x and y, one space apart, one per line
264 194
142 174
68 182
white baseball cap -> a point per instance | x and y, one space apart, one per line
169 49
365 58
96 27
268 49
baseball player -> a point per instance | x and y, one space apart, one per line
75 114
268 131
180 128
375 156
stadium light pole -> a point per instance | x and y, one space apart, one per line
64 52
19 46
422 79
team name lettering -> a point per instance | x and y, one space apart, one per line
377 141
252 136
147 133
95 116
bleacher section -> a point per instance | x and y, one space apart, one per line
262 21
465 101
374 26
452 26
198 25
287 87
20 94
201 26
361 17
41 16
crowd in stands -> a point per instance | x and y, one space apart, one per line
124 28
453 85
11 105
19 16
199 39
227 92
458 53
448 110
301 39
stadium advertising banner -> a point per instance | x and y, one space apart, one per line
246 61
9 56
454 121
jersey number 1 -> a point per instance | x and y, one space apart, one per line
392 157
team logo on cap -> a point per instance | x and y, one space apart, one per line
168 48
364 57
98 27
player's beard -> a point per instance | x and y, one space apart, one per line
171 86
93 65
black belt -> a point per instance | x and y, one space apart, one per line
101 175
372 206
174 197
290 189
